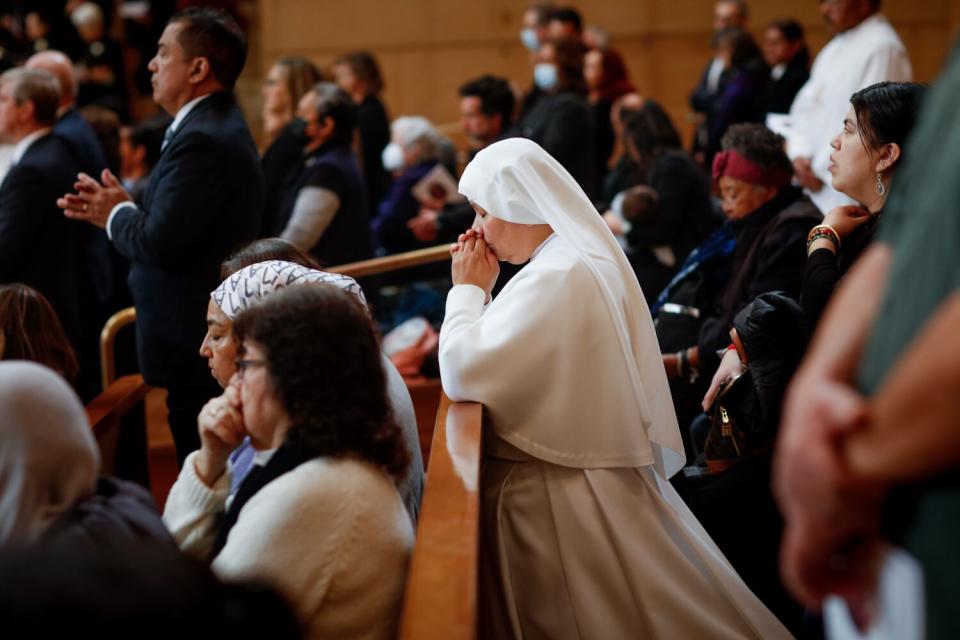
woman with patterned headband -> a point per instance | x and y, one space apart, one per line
249 275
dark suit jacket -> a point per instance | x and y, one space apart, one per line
102 272
83 141
779 94
37 243
204 200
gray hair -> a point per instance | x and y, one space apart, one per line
39 87
417 131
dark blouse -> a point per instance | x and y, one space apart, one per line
823 270
373 123
603 138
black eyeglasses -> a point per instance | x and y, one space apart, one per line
243 365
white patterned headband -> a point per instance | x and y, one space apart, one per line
253 282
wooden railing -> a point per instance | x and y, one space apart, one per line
440 600
425 395
108 338
396 262
118 419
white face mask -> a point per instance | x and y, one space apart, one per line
529 39
392 157
545 75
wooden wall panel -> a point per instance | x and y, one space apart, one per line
427 48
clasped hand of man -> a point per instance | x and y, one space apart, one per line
94 201
473 262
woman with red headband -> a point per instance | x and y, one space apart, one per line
768 220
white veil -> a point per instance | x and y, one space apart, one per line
517 181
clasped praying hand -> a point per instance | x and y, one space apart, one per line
474 262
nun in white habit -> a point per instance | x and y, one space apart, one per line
583 536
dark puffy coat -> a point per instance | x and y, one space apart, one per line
774 336
118 512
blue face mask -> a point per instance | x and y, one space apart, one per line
545 75
529 39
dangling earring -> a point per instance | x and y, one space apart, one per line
880 188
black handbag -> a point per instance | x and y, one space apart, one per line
737 429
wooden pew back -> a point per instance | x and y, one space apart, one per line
118 419
440 600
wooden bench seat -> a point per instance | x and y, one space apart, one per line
440 600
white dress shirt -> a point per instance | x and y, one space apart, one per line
26 142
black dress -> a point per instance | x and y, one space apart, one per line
603 138
823 270
779 93
374 126
682 219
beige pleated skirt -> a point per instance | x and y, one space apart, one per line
603 553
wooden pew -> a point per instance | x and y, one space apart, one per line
118 419
426 402
128 316
440 600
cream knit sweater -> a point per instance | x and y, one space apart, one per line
332 535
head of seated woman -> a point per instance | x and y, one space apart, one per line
751 169
31 330
648 133
309 372
218 346
510 241
869 146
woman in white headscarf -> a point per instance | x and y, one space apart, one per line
584 536
252 283
49 463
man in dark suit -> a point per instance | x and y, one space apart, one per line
36 242
203 201
101 272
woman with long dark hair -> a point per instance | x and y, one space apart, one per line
359 75
607 80
30 330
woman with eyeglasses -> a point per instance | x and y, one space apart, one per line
318 516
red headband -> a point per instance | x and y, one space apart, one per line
732 164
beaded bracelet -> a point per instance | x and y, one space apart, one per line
825 232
